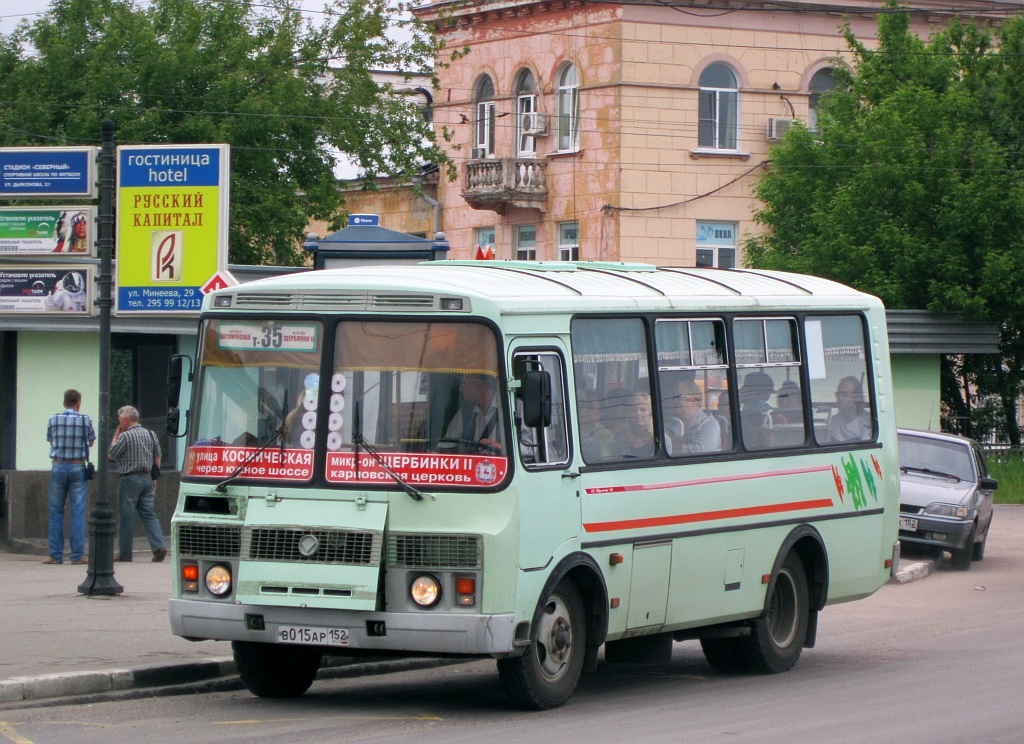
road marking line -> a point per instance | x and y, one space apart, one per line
8 732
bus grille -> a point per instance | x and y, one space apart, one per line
209 540
334 546
434 551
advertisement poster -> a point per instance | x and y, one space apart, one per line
172 226
48 173
54 290
46 231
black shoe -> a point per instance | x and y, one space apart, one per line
158 555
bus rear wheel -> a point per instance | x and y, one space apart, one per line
275 671
546 675
777 637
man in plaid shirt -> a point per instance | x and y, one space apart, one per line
70 435
136 450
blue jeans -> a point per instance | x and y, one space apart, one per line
67 479
136 493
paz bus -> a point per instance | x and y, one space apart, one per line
529 462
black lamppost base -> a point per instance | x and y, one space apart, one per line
100 578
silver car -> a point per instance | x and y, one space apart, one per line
945 494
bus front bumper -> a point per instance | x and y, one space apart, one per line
426 632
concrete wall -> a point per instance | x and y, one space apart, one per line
916 380
48 364
25 511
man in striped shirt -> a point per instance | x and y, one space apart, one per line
70 435
136 450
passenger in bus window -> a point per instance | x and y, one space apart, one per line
628 416
596 442
755 411
693 431
477 425
790 408
851 422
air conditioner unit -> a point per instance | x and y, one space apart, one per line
778 127
534 123
478 153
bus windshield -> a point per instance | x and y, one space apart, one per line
414 398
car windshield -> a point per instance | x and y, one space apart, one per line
936 456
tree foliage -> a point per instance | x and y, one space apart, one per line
911 188
288 94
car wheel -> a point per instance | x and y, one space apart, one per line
962 558
978 551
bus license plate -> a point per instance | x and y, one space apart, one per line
312 635
908 524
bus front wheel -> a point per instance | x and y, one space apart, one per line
777 637
546 675
274 671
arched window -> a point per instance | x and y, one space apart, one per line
568 108
526 107
718 115
483 141
822 82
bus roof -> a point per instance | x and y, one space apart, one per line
529 287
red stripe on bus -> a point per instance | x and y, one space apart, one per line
749 511
705 481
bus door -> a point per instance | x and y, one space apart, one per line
549 504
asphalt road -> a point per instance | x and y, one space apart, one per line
937 660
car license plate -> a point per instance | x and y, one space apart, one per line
908 524
312 635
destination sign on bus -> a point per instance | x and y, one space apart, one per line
271 464
268 336
418 469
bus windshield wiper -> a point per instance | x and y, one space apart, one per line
357 441
261 447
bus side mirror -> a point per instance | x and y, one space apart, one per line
175 367
536 390
173 418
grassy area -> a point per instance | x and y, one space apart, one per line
1008 468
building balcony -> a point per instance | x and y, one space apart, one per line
497 183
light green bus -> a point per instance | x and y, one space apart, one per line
530 461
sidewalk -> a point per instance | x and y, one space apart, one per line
57 642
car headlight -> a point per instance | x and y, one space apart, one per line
946 510
218 580
425 590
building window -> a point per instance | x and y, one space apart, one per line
568 100
718 116
483 140
485 239
526 105
569 241
822 82
716 245
526 242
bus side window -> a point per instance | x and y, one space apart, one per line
542 446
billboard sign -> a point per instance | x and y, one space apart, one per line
172 226
47 231
47 173
46 289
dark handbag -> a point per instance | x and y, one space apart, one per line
154 470
90 470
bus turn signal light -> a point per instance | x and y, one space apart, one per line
465 590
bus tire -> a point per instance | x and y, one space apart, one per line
275 671
723 654
546 675
777 637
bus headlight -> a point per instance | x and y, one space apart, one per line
425 590
218 580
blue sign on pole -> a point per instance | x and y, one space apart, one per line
27 173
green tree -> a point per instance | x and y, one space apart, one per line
911 188
248 74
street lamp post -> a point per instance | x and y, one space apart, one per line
100 576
